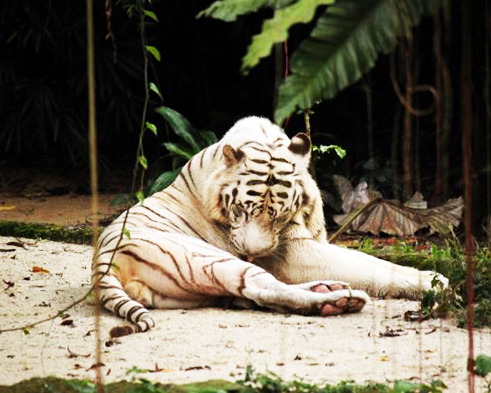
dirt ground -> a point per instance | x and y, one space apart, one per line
39 278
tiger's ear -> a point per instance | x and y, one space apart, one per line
300 144
232 156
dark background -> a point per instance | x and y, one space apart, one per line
43 94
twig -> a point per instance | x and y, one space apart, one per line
352 217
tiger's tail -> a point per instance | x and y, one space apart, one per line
113 298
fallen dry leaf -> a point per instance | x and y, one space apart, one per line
38 269
392 217
75 355
16 244
7 208
96 365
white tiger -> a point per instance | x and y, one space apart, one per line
242 223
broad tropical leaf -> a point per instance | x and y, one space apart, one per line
229 10
179 150
276 29
345 43
181 126
163 181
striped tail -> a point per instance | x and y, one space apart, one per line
116 300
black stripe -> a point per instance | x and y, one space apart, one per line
242 285
253 193
120 304
183 177
175 225
212 276
255 182
158 268
105 287
215 152
132 310
280 159
261 150
191 173
165 252
114 297
257 173
139 316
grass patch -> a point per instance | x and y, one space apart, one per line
253 383
449 260
73 234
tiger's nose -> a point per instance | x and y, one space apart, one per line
253 240
258 243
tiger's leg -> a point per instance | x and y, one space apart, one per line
140 292
323 298
179 267
307 260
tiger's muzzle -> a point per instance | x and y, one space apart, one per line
254 240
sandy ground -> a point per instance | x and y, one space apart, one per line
197 345
70 209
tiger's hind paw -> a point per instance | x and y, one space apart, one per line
342 299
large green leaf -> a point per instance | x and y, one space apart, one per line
276 29
344 45
229 10
179 150
181 126
163 181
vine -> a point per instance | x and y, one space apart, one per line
141 163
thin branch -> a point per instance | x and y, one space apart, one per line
96 281
353 217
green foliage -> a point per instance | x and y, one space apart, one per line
448 260
82 386
323 149
483 365
347 39
43 83
229 10
192 141
344 45
270 382
276 29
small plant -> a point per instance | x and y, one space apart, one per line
192 141
270 382
483 368
448 260
322 149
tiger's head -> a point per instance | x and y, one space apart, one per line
260 187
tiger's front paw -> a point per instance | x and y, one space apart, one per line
342 299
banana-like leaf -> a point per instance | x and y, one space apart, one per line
179 150
181 126
276 29
345 43
163 181
229 10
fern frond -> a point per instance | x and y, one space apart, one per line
345 44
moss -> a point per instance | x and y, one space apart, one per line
58 385
78 235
